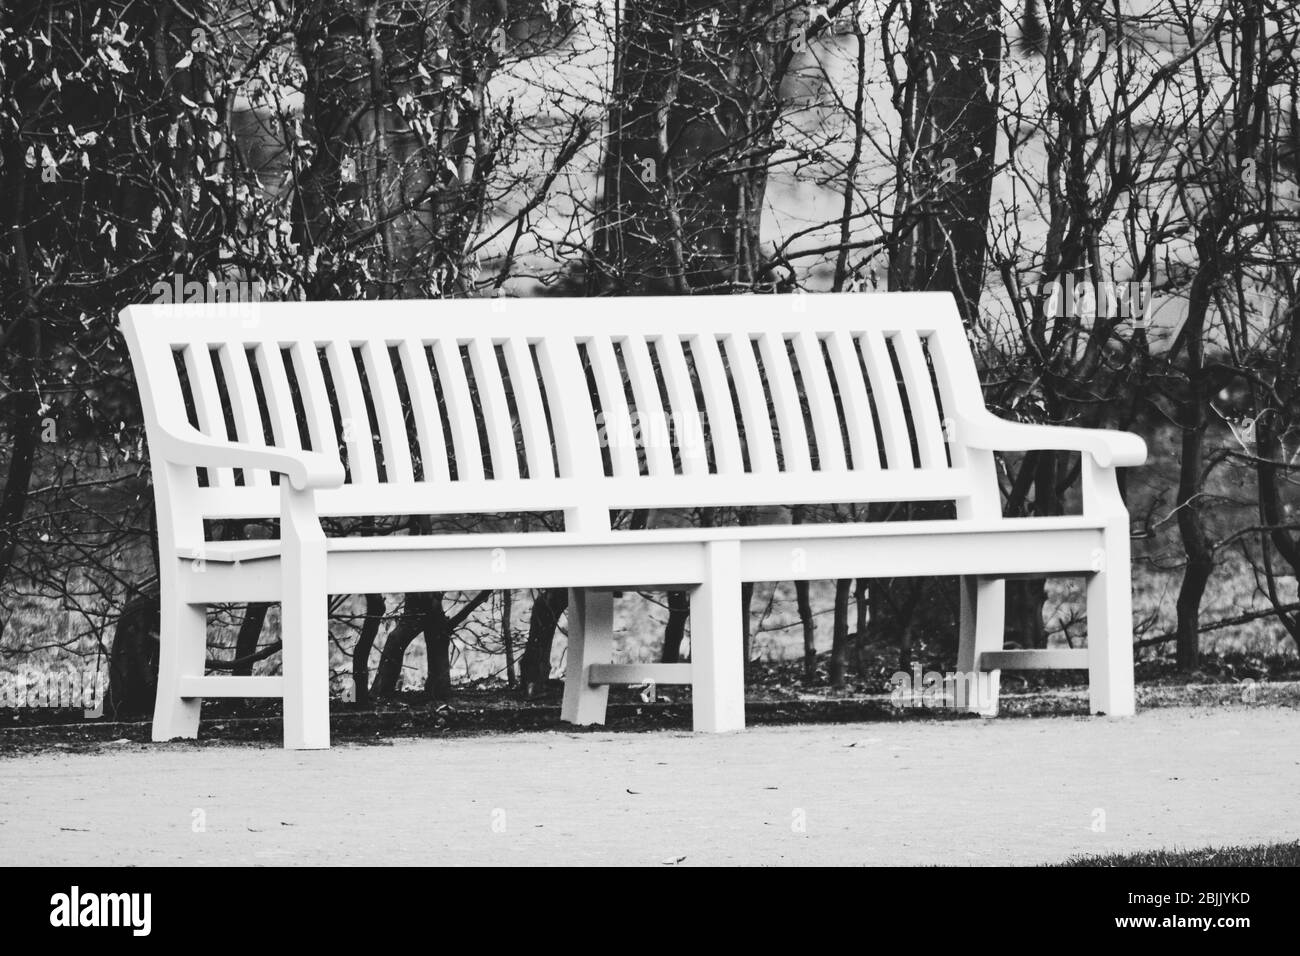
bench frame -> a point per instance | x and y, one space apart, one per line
589 558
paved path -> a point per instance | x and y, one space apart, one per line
962 792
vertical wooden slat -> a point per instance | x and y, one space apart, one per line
920 395
959 385
207 405
388 411
528 400
460 410
785 402
821 402
279 398
853 396
315 398
496 412
753 404
424 402
357 436
652 423
689 431
889 406
950 393
243 405
617 430
723 431
575 432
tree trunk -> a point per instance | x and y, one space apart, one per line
370 161
679 610
840 634
860 600
25 402
535 664
674 220
1192 419
437 645
133 667
947 108
250 629
746 602
13 502
415 619
507 636
1200 557
950 133
375 610
809 626
1026 598
133 661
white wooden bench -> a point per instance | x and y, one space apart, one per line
485 407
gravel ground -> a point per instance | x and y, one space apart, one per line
1017 791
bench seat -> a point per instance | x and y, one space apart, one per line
673 558
224 552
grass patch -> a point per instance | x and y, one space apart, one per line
1263 854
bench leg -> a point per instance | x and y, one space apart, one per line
591 641
983 624
1110 629
305 652
717 650
182 652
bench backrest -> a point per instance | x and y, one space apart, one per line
579 405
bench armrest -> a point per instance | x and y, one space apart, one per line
304 469
1108 448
